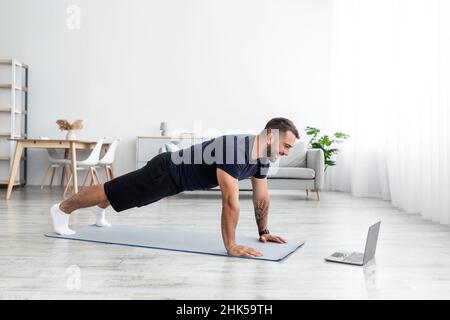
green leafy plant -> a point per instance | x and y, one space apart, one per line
325 143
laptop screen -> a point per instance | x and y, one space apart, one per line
371 243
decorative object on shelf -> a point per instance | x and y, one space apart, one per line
164 127
325 143
64 125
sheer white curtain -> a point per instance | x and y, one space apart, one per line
390 92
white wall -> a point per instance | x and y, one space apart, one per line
230 64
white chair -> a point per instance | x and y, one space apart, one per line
88 164
55 162
108 159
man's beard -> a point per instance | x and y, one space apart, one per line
272 156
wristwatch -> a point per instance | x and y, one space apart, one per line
265 231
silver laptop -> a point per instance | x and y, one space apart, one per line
358 258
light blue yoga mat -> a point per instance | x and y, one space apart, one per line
186 241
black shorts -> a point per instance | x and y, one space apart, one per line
143 186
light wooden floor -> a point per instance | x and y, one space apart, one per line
413 257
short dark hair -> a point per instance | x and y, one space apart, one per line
283 125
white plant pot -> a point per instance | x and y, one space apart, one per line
71 135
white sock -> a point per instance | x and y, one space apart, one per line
60 221
100 220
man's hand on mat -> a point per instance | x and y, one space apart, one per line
272 238
243 251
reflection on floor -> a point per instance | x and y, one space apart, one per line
412 260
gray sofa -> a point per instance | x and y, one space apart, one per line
302 169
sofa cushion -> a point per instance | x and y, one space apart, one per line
290 173
171 147
296 157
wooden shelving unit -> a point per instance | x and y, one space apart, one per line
13 115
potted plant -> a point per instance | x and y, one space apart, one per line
325 143
64 125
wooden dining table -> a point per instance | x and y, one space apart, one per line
68 145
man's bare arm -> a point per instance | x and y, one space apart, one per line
229 187
261 203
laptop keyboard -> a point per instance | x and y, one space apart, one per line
352 257
357 258
338 255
